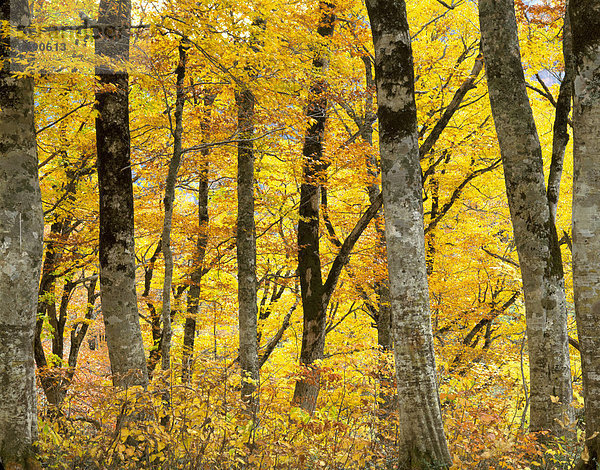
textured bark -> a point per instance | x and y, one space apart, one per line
117 251
533 224
560 133
193 298
421 440
169 200
21 234
309 261
382 286
585 23
246 252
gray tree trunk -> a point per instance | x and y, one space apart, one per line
421 439
246 252
533 224
21 235
585 24
169 200
117 251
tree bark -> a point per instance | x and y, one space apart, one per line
309 261
533 224
560 133
21 235
246 252
117 252
585 23
421 440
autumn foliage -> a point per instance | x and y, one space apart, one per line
475 286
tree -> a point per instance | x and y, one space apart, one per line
535 233
560 133
193 297
309 261
169 201
246 250
21 235
117 253
421 439
585 24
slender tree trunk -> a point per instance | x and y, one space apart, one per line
193 299
309 261
535 233
560 133
434 194
21 235
421 440
52 255
246 251
154 317
585 23
79 330
169 200
117 251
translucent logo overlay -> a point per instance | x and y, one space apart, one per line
64 39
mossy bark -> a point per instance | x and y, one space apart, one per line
246 252
421 440
585 24
21 235
533 223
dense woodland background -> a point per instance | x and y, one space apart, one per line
277 350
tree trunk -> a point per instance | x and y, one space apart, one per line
246 252
560 133
117 252
585 23
52 256
21 235
309 261
154 316
193 299
169 200
421 440
533 224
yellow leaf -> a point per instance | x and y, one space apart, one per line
585 455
